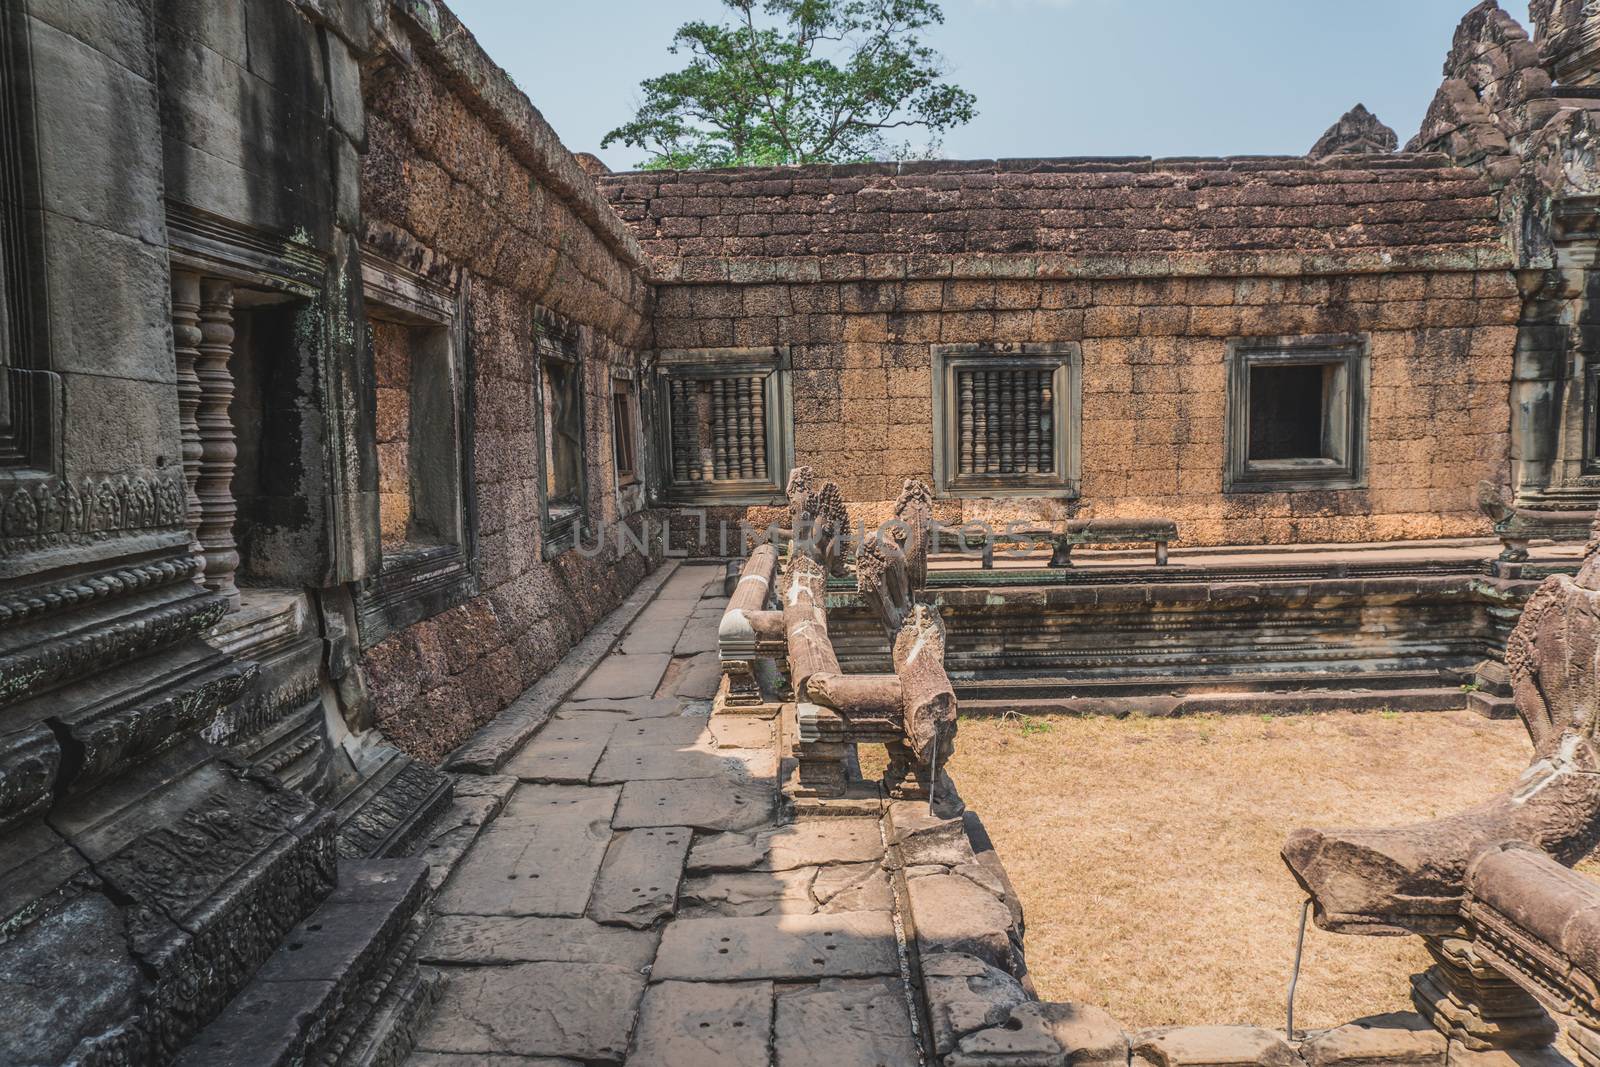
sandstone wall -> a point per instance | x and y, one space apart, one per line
1153 267
459 163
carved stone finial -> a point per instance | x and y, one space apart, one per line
1358 132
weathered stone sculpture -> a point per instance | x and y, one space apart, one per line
1414 879
1517 526
1357 131
817 518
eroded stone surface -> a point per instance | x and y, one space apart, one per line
741 731
790 947
497 939
566 749
953 914
621 677
1399 1038
845 1023
583 1011
807 843
705 804
724 1024
638 881
625 763
1214 1046
853 887
748 893
966 994
539 858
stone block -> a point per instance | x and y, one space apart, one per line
785 947
748 893
583 1011
645 763
966 994
638 881
952 914
1401 1038
566 749
624 677
704 804
845 1023
925 838
853 887
1215 1046
809 842
705 1024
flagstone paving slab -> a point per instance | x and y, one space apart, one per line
566 749
703 803
675 731
788 947
653 763
861 1023
621 677
638 882
702 1024
802 844
748 893
582 1011
496 939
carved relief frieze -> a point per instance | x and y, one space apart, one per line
103 586
37 666
113 737
63 511
29 761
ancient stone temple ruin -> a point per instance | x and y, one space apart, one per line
461 605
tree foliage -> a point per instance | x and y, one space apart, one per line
799 81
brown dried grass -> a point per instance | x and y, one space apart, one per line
1146 851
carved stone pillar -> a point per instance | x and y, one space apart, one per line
186 338
218 451
1471 1002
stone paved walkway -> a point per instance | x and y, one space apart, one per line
639 899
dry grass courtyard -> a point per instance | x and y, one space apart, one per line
1145 851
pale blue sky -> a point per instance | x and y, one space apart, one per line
1052 77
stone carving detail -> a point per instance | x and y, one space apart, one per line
1357 132
103 646
65 512
218 449
719 429
186 338
817 517
1410 878
119 582
1006 421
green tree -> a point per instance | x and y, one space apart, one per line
799 81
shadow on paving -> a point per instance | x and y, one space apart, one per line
637 899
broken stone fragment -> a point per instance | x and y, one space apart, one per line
966 994
1046 1035
1215 1046
1398 1039
925 838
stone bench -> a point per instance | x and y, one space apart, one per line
1076 532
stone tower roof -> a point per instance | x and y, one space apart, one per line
1358 132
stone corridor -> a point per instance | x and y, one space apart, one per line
639 898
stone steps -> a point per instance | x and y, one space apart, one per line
346 966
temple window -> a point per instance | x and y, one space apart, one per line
1296 414
725 426
416 342
1006 419
561 435
624 432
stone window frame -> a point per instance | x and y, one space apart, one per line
425 580
557 340
1350 355
30 392
1065 358
625 388
773 363
1590 466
